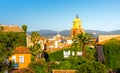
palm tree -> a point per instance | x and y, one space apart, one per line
36 48
24 27
35 36
82 39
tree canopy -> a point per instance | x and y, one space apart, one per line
36 48
81 40
24 27
10 40
112 53
92 67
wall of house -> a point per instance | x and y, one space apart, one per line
29 43
106 37
100 53
27 60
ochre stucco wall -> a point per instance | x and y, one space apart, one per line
27 60
102 38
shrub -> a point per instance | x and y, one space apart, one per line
24 70
38 66
65 65
112 54
32 58
52 65
92 67
56 56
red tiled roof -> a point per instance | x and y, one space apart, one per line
58 49
22 49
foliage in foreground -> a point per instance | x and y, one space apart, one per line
38 66
92 67
58 55
24 70
8 42
81 64
112 54
82 40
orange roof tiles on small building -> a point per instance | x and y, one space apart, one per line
57 49
21 50
43 38
11 28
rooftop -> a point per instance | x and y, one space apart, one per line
22 50
11 28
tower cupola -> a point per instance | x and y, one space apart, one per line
77 27
77 23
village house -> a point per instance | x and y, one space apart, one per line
59 42
100 41
10 28
21 57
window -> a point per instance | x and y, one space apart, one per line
79 53
21 59
74 33
14 59
66 54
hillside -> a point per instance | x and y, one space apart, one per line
50 33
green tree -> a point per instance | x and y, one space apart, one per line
52 65
92 67
24 27
112 53
15 39
90 53
36 50
20 39
38 66
81 40
8 42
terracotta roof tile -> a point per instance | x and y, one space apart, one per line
22 49
58 49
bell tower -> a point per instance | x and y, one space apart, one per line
77 27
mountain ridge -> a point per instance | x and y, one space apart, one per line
51 33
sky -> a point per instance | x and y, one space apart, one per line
58 15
